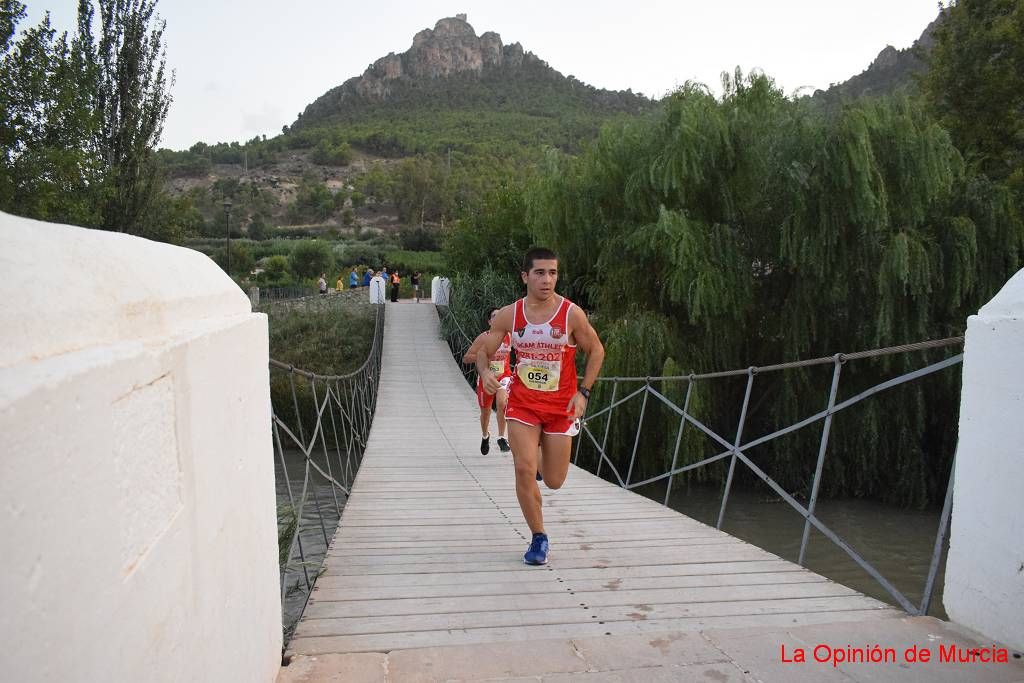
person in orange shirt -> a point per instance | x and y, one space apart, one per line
396 281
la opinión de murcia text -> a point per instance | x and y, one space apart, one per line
836 655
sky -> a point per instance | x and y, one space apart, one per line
246 67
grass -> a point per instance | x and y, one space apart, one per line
328 337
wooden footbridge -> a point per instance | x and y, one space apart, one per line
424 579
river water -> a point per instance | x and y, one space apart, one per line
897 542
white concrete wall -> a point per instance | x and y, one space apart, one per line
985 570
377 287
440 289
137 505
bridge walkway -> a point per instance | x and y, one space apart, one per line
425 580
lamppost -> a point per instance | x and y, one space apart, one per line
227 226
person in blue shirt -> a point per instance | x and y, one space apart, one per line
353 279
367 276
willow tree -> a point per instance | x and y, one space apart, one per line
750 229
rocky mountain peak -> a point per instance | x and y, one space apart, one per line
451 47
450 62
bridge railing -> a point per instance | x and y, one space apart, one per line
270 294
459 341
629 390
319 437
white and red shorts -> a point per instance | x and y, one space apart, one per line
485 400
558 424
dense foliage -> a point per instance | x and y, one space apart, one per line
751 229
80 118
975 84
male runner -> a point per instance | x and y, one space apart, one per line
499 365
544 404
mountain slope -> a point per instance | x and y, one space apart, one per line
450 67
891 71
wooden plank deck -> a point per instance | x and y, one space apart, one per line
429 550
424 580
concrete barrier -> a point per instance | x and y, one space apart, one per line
440 288
138 512
985 569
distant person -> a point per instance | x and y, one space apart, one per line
340 284
500 366
322 284
396 282
353 279
416 285
367 276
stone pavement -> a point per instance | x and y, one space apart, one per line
719 656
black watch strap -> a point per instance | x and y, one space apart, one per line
585 392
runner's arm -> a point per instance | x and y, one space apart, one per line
588 342
500 326
470 357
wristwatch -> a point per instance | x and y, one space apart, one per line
585 392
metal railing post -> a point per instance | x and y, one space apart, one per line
297 538
323 436
679 439
826 427
940 541
607 427
295 402
639 428
736 446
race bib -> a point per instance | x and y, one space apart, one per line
497 367
539 375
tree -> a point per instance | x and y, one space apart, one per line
80 118
242 259
257 228
975 83
749 230
314 201
132 99
491 233
309 258
421 190
49 167
275 271
329 154
417 239
173 219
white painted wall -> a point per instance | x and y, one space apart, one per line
137 506
376 288
440 289
985 570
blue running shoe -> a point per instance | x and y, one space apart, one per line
538 552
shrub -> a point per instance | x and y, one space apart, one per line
242 260
310 258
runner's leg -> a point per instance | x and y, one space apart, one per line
484 401
555 463
524 440
502 398
485 422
